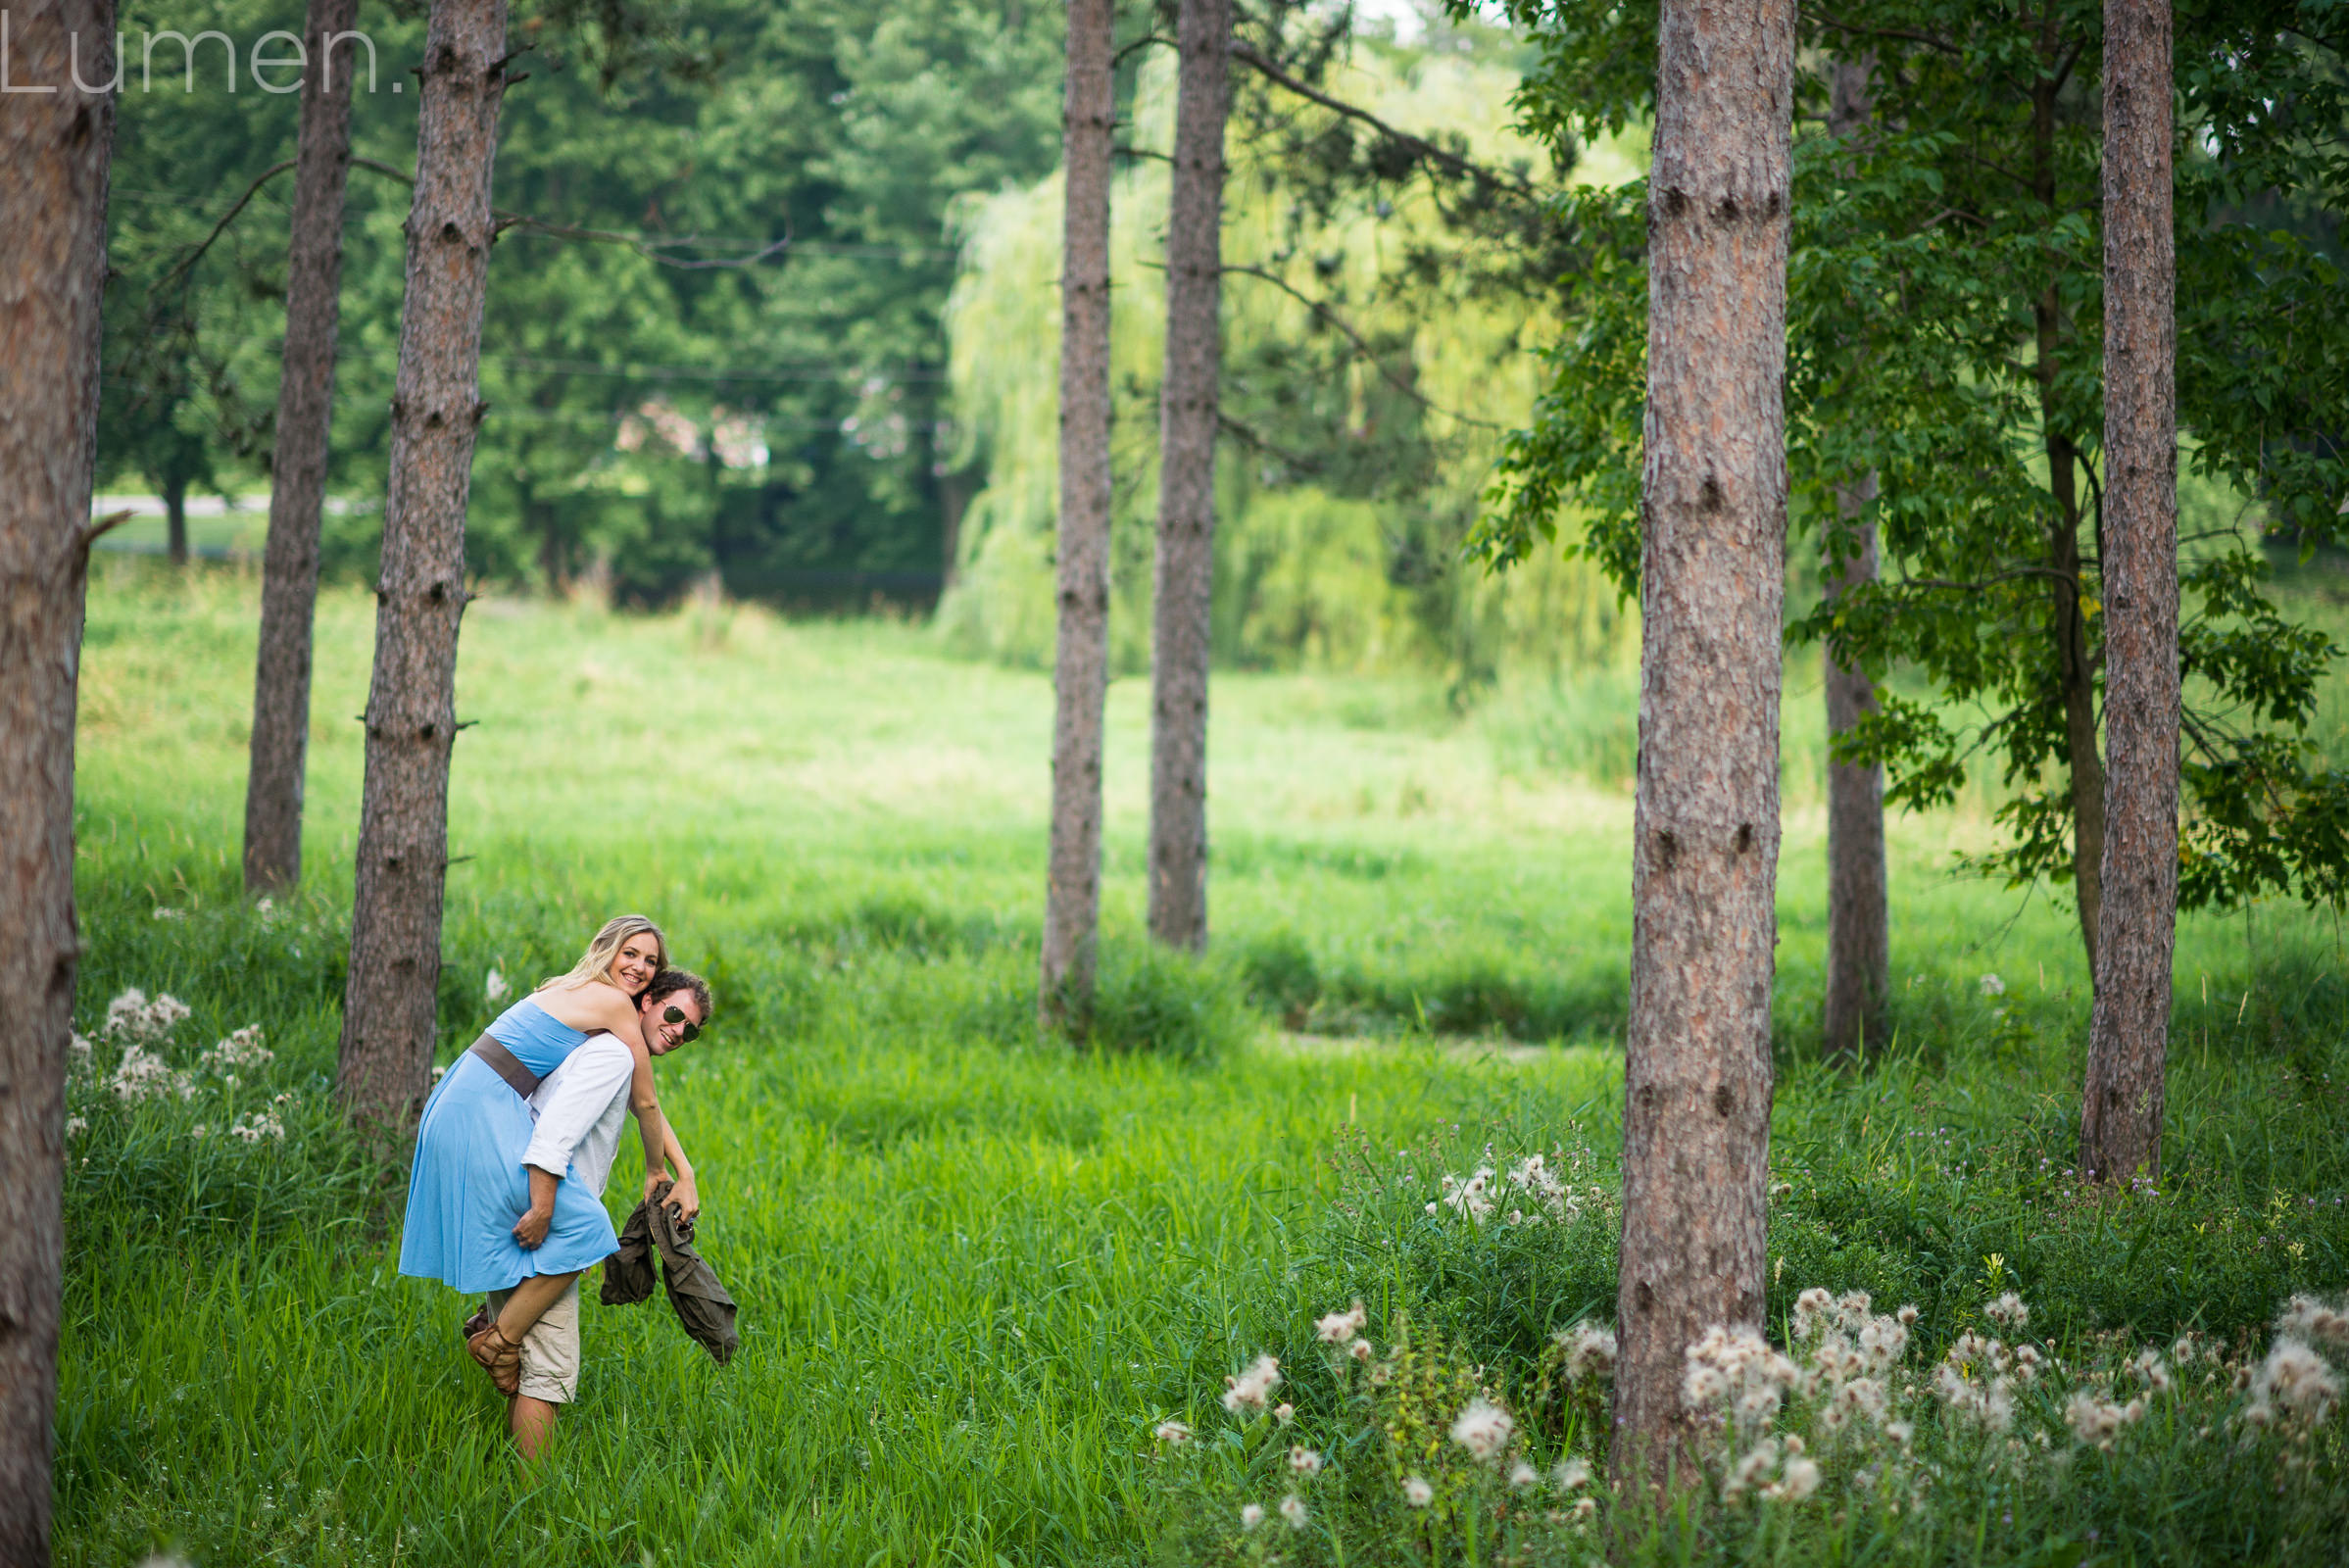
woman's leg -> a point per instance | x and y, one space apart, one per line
529 1302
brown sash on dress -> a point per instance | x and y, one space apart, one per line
506 1065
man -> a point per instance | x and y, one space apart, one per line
579 1108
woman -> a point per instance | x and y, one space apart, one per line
482 1220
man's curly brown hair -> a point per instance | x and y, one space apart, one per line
669 982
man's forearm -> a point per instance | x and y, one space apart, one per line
542 1189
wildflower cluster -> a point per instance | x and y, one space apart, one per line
132 1016
1530 1192
240 1051
143 1075
1456 1456
2297 1387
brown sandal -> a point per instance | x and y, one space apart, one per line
499 1356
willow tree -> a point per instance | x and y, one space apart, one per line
56 139
391 993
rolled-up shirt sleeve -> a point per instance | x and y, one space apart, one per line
583 1086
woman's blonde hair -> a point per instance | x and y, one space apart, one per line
595 964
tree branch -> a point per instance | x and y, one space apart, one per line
1361 346
1419 145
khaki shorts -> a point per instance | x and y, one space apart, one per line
550 1350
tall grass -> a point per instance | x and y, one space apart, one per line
977 1270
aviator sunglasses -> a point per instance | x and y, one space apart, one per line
687 1034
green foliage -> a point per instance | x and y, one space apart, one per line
1944 336
717 347
977 1270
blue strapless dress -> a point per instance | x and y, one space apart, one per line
469 1186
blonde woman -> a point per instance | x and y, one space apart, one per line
482 1219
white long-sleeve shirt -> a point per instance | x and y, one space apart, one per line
579 1108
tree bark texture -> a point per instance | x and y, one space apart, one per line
56 141
2121 1117
1859 951
1072 899
2075 672
1859 948
1712 583
175 520
1187 431
290 576
388 999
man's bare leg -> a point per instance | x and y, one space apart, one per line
533 1425
529 1302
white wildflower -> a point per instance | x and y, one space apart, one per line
1800 1480
1523 1475
2009 1311
1907 1317
1583 1509
2314 1322
76 1126
1360 1350
256 1125
2293 1385
1589 1351
2098 1421
1304 1462
496 988
1751 1471
132 1017
1174 1433
1738 1364
1473 1197
1284 1412
1812 1309
171 915
1293 1509
1248 1391
1572 1474
1251 1515
143 1075
1992 986
1484 1428
1417 1493
243 1049
1901 1432
1340 1328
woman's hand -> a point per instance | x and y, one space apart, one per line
531 1229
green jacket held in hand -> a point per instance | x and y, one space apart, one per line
693 1290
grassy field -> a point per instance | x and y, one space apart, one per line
977 1271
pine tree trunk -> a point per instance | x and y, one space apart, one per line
1187 431
1859 952
289 574
2076 674
388 999
1081 672
175 520
55 144
2121 1118
1697 1071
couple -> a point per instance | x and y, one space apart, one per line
506 1192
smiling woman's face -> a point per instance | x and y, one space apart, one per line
638 960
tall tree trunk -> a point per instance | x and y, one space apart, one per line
1183 584
2121 1114
1859 951
386 1052
1712 584
174 520
2074 671
289 573
1072 899
1859 944
55 143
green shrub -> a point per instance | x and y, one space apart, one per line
1152 999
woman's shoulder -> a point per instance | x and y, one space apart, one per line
588 1005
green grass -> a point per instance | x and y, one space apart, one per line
974 1270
